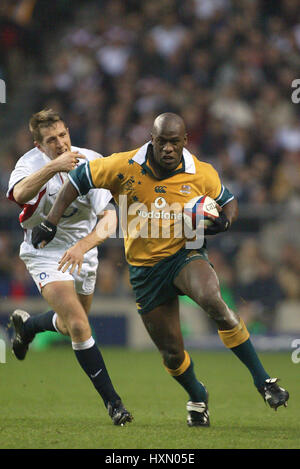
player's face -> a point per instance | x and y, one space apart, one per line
167 148
55 140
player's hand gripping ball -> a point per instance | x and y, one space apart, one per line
203 212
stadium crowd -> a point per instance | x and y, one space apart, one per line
226 66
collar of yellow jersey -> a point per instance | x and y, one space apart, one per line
189 164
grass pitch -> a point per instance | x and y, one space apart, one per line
48 402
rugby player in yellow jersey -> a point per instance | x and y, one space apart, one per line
164 174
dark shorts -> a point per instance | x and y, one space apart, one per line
154 285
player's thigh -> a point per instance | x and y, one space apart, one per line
199 281
63 299
86 301
163 326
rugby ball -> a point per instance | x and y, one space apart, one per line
196 211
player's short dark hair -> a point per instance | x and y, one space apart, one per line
43 119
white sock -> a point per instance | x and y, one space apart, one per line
83 345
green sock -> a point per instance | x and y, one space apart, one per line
247 354
194 388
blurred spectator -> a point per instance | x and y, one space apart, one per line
6 249
288 137
7 164
17 39
289 271
274 110
246 261
113 55
106 280
21 284
208 8
287 176
169 35
263 290
230 109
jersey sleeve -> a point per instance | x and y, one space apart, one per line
224 197
99 199
212 181
98 173
80 178
215 189
21 171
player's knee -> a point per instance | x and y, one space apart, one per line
172 358
61 326
211 302
63 329
78 328
216 309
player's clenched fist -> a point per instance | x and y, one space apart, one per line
66 161
42 234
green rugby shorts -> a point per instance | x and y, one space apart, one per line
154 285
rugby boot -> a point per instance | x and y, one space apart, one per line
21 341
273 394
118 413
198 415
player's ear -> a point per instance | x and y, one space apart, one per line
185 139
37 145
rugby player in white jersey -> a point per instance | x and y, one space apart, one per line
34 185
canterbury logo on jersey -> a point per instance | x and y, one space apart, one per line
160 189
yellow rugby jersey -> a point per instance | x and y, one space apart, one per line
151 209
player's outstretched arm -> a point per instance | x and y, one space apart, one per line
65 197
43 233
74 256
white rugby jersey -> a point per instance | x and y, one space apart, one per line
80 217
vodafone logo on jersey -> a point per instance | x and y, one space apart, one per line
160 202
164 215
160 209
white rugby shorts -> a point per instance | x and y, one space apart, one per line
43 270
